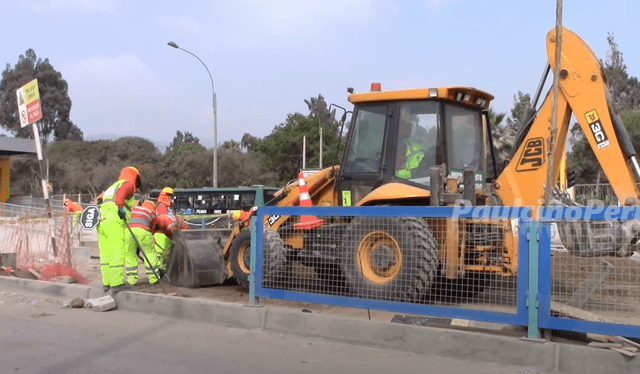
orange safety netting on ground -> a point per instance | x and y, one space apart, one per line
42 244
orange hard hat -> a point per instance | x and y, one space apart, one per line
67 202
130 173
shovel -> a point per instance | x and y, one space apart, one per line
145 258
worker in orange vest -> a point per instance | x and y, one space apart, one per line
167 225
73 208
142 224
161 239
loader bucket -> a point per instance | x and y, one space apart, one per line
196 258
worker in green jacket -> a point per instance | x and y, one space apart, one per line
115 212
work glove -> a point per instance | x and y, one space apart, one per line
122 214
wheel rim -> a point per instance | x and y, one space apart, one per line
243 257
379 257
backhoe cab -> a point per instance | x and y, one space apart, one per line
397 137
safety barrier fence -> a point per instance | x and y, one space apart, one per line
38 241
491 264
14 210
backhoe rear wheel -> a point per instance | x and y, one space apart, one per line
389 258
274 259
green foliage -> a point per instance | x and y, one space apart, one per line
90 167
237 168
184 139
248 142
54 100
281 151
186 167
625 90
520 104
503 135
231 144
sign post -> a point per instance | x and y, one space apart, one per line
30 112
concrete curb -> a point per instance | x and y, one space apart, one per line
470 346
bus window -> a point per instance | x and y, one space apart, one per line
247 200
234 202
183 204
218 203
269 195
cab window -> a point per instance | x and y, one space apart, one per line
464 140
365 149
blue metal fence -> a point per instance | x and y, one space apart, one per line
615 298
516 315
534 299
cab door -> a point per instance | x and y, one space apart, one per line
363 165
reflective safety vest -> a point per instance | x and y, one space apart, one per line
412 159
169 210
109 196
167 224
142 217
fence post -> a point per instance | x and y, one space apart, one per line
252 264
532 292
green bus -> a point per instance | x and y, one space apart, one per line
202 206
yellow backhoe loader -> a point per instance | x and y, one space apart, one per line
433 147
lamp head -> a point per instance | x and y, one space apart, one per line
172 44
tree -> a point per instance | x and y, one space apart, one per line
231 144
503 138
624 90
281 151
318 108
90 167
520 104
54 100
248 142
186 138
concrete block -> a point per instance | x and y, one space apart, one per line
101 304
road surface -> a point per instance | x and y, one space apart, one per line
39 336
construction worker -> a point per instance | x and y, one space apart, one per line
73 208
162 241
411 151
115 211
142 225
167 225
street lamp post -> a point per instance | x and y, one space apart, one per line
215 118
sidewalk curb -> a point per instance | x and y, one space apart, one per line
469 346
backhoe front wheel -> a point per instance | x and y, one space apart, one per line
389 258
274 260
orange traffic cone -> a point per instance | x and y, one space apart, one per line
306 222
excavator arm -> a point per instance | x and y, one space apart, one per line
583 92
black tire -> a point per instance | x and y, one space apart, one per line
274 259
239 257
389 258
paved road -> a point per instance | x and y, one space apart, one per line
38 336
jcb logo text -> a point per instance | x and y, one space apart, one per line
532 157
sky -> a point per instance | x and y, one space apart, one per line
266 57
